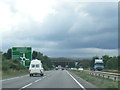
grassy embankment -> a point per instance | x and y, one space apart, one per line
0 74
98 81
113 71
13 73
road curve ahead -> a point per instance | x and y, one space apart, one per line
51 79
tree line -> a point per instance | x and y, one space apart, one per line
47 64
8 63
109 62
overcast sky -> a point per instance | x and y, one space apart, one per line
60 28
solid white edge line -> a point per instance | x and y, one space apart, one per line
76 81
13 78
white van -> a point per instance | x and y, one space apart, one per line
36 68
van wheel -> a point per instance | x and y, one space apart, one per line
41 74
31 75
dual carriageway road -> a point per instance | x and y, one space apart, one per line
51 79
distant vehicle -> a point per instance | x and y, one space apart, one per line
59 67
62 68
36 68
98 65
73 68
56 68
80 68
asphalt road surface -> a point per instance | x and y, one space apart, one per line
51 79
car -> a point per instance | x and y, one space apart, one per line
80 68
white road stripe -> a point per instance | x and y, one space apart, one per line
37 80
76 81
13 78
31 83
26 86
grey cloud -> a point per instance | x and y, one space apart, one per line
67 30
100 30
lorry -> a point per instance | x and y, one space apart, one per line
36 68
98 65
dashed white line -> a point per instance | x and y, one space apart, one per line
26 85
76 81
37 80
43 77
31 83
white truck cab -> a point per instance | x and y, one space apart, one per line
36 68
99 65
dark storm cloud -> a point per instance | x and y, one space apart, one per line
98 29
75 29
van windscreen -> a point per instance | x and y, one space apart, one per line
37 65
33 65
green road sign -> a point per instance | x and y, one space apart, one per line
24 54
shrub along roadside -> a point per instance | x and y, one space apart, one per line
12 65
13 73
12 68
98 81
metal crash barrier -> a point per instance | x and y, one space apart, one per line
113 76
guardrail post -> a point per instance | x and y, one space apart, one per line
108 77
99 74
114 78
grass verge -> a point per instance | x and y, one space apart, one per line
98 81
113 71
13 73
0 74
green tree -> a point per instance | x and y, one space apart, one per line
119 62
9 54
47 61
44 59
105 59
5 65
4 55
85 63
112 63
93 61
34 55
39 56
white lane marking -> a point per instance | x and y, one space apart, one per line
26 86
13 78
31 83
76 81
43 77
37 80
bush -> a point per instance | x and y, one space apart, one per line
12 64
45 67
16 65
5 66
